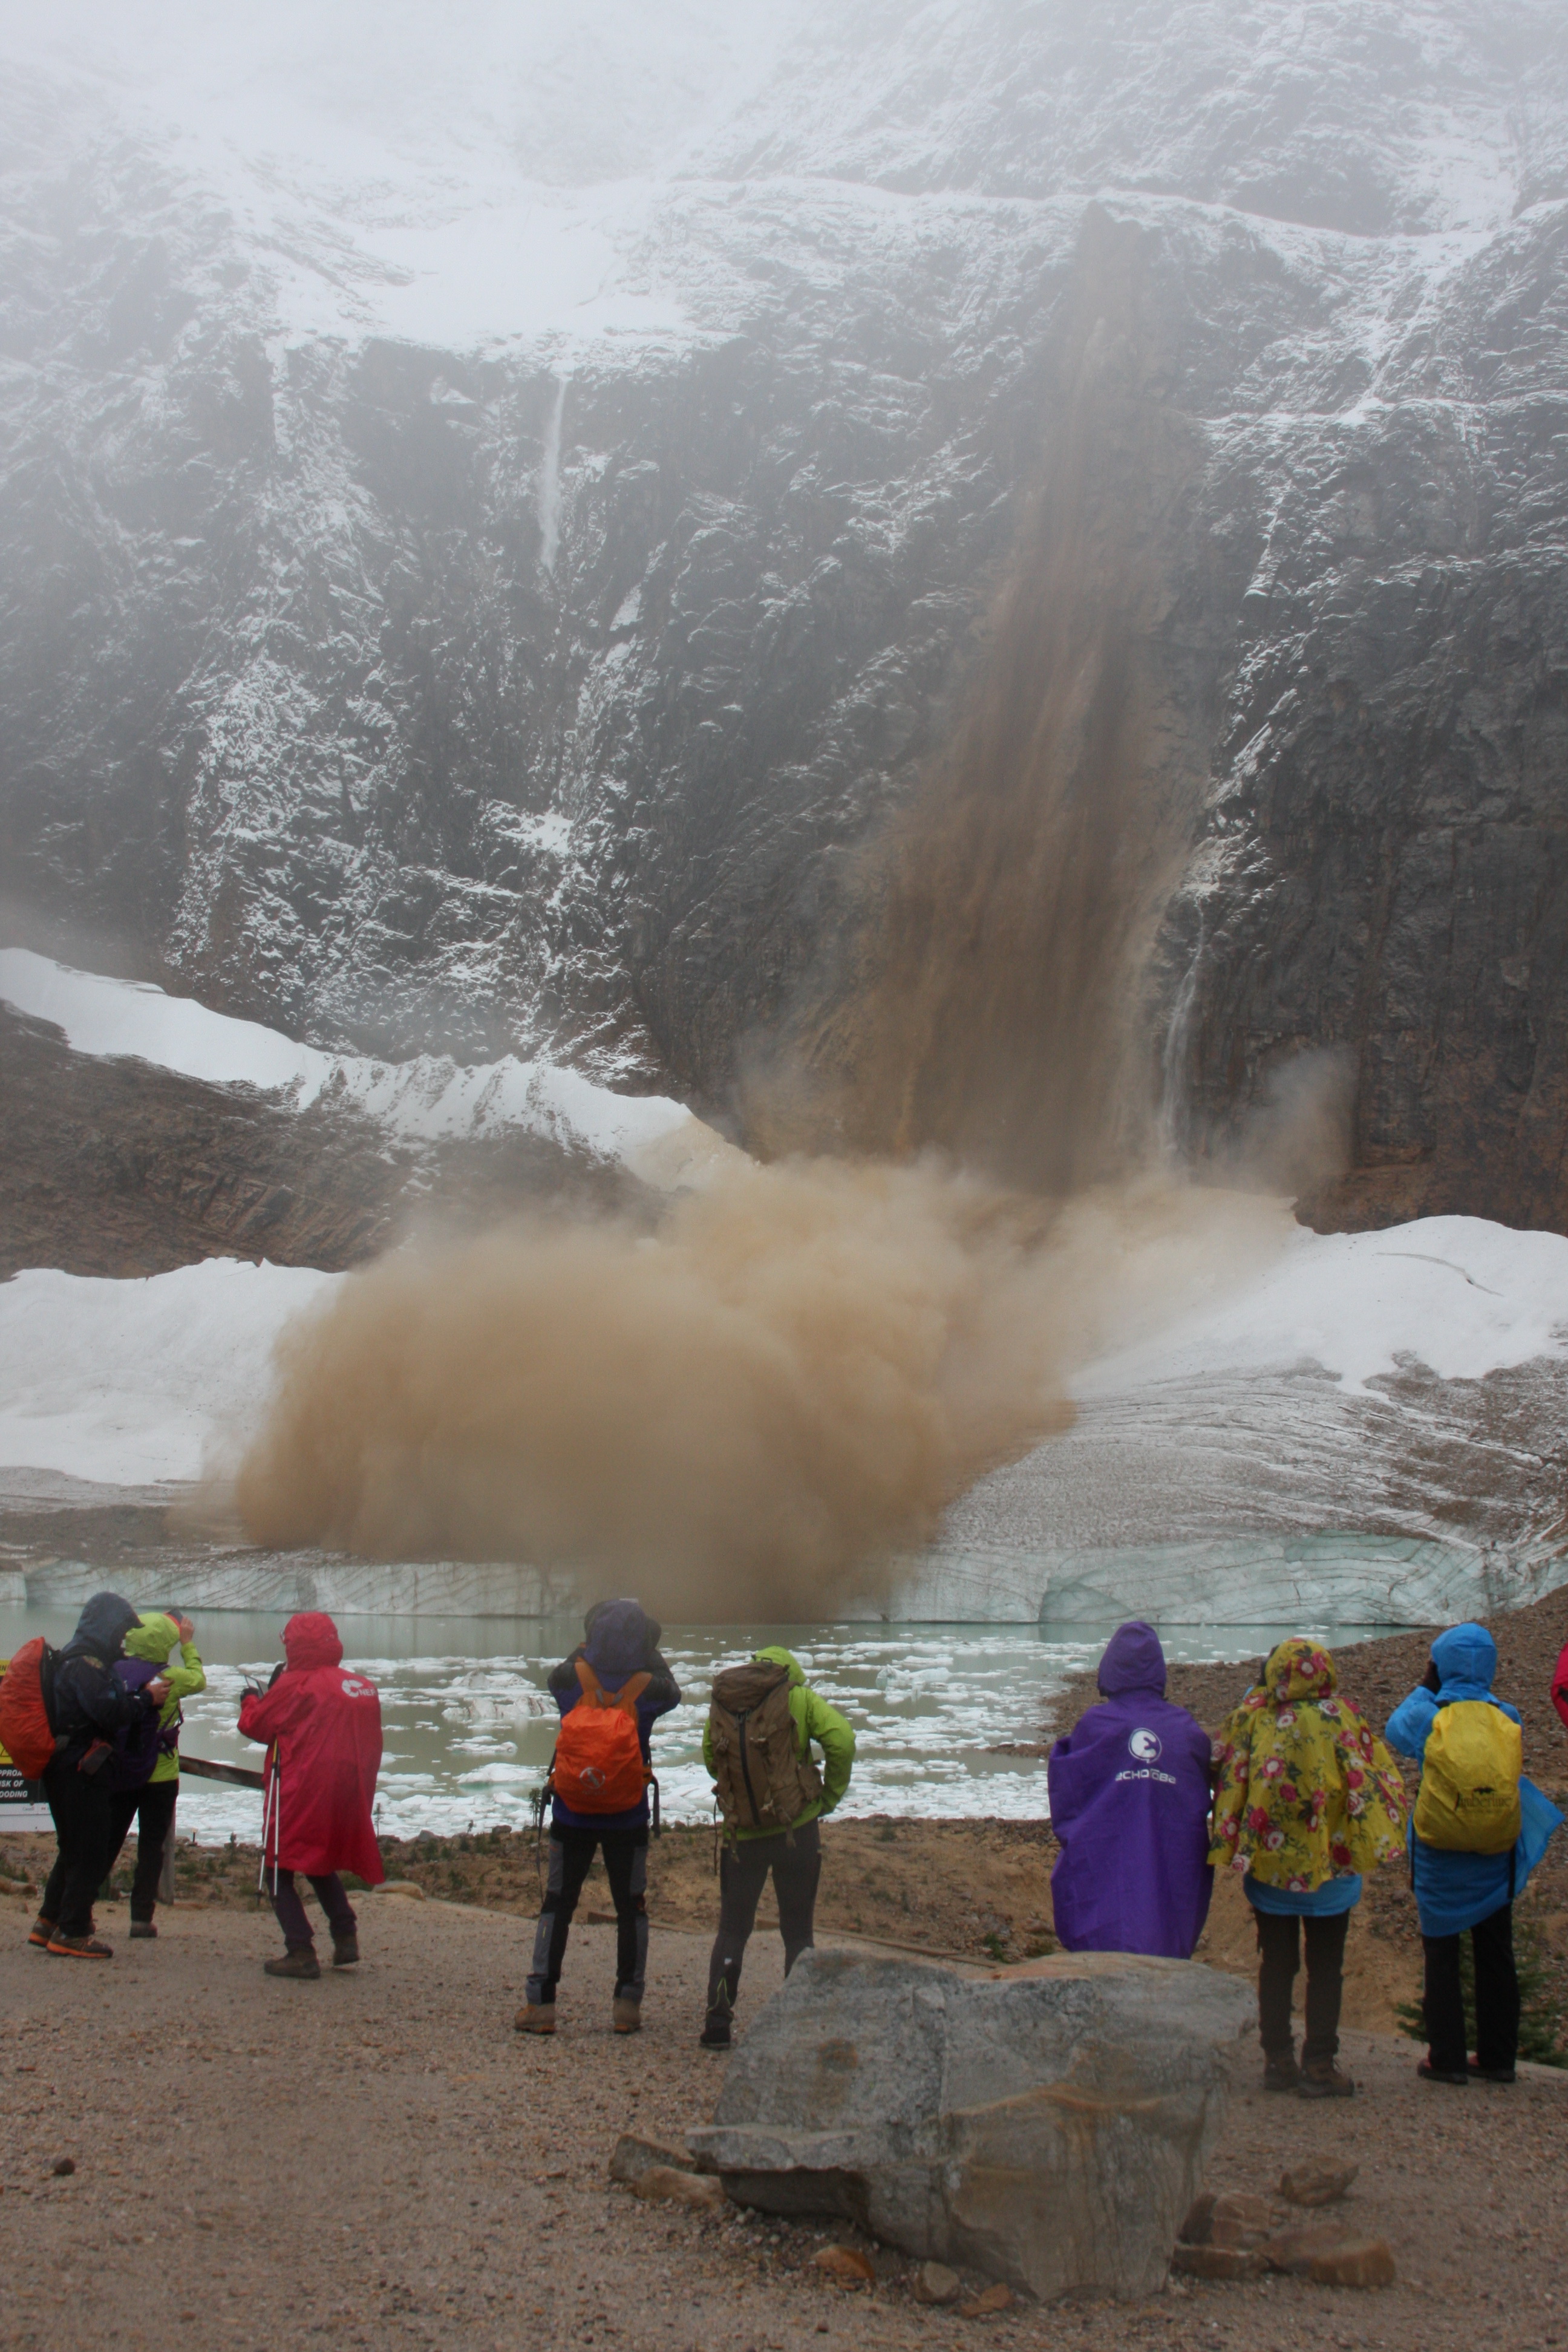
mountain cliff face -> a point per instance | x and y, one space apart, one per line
534 679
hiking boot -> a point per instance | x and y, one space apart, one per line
345 1951
78 1947
1280 2072
298 1960
142 1927
1430 2074
1322 2079
536 2017
625 2015
715 2034
42 1930
1490 2073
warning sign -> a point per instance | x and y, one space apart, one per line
22 1802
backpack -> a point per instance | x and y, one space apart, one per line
762 1780
598 1764
28 1708
1469 1779
136 1746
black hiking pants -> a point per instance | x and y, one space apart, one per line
572 1853
84 1826
1278 1947
152 1808
293 1917
794 1857
1497 1995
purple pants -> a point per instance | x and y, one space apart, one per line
291 1916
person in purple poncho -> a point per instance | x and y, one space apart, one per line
1130 1804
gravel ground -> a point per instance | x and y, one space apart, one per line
378 2158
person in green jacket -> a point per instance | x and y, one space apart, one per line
774 1800
151 1806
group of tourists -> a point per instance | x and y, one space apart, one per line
1296 1792
97 1723
1300 1794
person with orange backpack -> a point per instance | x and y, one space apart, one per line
611 1692
73 1702
1477 1831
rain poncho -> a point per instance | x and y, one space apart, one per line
323 1730
1307 1791
1130 1804
1453 1890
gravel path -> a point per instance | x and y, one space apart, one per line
379 2160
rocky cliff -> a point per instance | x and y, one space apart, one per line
544 679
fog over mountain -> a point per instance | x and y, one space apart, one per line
503 507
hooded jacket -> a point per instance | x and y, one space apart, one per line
813 1719
156 1638
89 1703
620 1639
1130 1803
1456 1891
322 1729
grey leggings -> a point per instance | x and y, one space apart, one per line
291 1913
795 1861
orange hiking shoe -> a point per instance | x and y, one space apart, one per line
78 1947
42 1930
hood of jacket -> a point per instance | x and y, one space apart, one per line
779 1657
1466 1654
620 1637
102 1628
153 1638
1299 1669
1134 1661
311 1639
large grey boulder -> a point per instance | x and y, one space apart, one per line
1048 2127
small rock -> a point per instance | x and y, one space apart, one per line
401 1886
698 2189
1296 2250
1217 2262
845 2265
63 2166
986 2307
1359 2262
1317 2184
1252 2212
934 2282
634 2156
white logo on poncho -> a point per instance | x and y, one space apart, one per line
1145 1746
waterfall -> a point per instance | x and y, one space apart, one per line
1172 1125
549 481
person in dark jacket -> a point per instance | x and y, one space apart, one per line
90 1705
620 1639
1130 1787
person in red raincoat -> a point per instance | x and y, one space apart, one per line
322 1724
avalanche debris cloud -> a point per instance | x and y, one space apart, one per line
766 1404
753 1413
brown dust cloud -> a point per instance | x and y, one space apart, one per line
761 1409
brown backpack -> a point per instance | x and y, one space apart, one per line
763 1783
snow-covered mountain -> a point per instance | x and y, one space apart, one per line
497 502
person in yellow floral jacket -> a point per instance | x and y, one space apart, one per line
1307 1798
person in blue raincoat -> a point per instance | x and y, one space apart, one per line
1459 1892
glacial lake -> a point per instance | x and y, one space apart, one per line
939 1710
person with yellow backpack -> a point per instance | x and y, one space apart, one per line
762 1725
1477 1831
